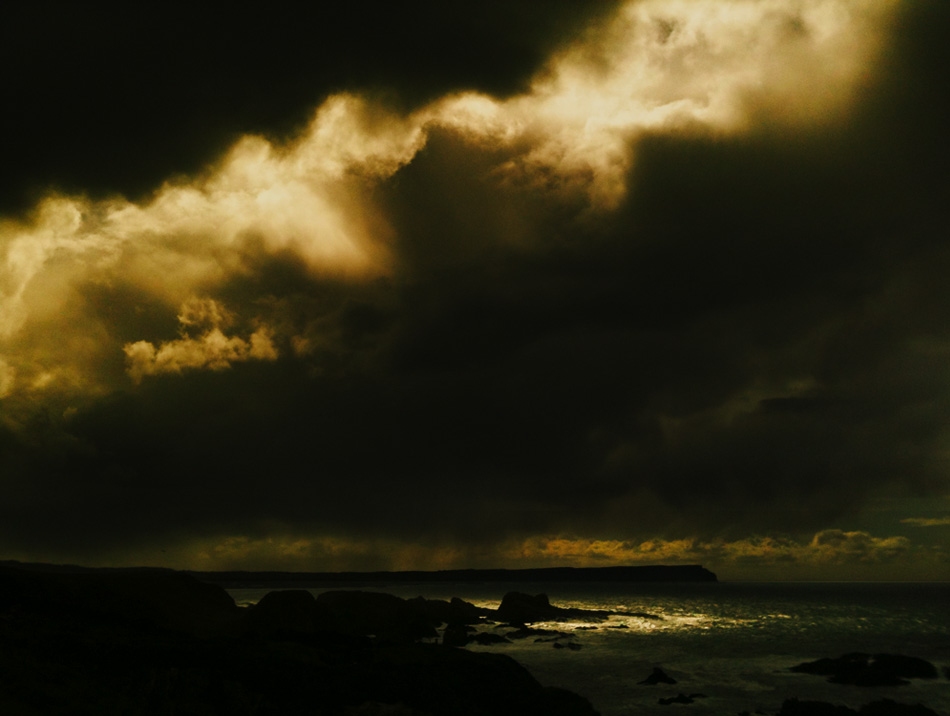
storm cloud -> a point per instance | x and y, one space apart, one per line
674 290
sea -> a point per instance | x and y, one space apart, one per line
728 645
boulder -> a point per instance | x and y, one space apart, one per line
795 707
519 608
439 611
456 635
384 616
525 631
680 699
657 676
869 670
484 638
886 707
290 611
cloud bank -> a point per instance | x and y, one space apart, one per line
684 287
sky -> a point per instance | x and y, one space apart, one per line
427 285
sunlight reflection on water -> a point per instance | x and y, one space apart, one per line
733 642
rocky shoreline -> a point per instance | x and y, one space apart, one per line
147 642
157 642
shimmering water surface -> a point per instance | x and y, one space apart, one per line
733 642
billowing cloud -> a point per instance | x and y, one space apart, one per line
657 66
683 286
211 349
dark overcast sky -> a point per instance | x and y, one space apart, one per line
418 285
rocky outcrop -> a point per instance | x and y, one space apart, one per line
657 676
519 608
680 699
870 670
156 598
135 644
884 707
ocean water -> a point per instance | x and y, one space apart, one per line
733 642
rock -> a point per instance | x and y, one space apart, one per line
383 616
524 632
657 676
441 681
519 608
374 708
486 639
910 667
680 699
571 645
98 646
285 612
159 598
886 707
456 611
456 635
794 707
866 670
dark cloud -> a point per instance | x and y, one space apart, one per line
104 98
754 341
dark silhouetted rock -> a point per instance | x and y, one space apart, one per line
867 670
910 667
291 611
657 676
484 638
794 707
886 707
526 631
158 598
680 699
519 609
384 616
458 681
462 635
103 645
570 645
456 611
457 635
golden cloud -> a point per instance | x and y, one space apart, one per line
826 547
659 65
211 350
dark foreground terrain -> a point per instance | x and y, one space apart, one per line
137 642
157 642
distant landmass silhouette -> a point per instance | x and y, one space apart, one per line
648 573
644 573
